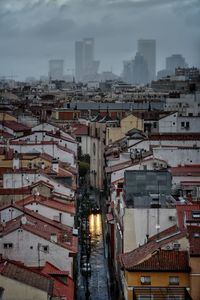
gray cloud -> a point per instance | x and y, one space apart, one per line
33 31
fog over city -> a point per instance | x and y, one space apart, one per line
34 31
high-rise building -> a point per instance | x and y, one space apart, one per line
85 65
175 61
136 71
78 60
140 70
128 71
147 48
56 69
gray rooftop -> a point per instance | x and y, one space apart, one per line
113 106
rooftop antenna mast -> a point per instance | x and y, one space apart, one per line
158 211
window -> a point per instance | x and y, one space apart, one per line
45 249
173 280
196 235
94 148
174 297
187 125
145 297
145 280
182 124
196 214
8 245
79 139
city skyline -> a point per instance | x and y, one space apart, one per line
29 42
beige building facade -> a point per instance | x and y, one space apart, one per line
115 133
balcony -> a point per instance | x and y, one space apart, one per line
161 293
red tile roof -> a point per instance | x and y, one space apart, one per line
17 191
61 289
80 129
163 260
15 126
48 202
132 258
6 134
43 227
174 136
187 170
24 275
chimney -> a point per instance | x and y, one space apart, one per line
16 161
55 165
53 237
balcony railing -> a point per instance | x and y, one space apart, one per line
161 293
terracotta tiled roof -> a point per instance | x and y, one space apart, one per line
43 227
6 134
194 240
25 275
188 170
80 129
61 289
164 260
130 259
174 136
65 207
42 182
18 191
15 126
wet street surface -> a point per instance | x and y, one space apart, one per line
94 285
98 282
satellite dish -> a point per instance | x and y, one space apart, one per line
23 220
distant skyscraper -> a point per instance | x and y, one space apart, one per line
78 60
136 71
128 71
175 61
147 48
56 69
85 65
140 70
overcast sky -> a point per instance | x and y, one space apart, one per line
34 31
